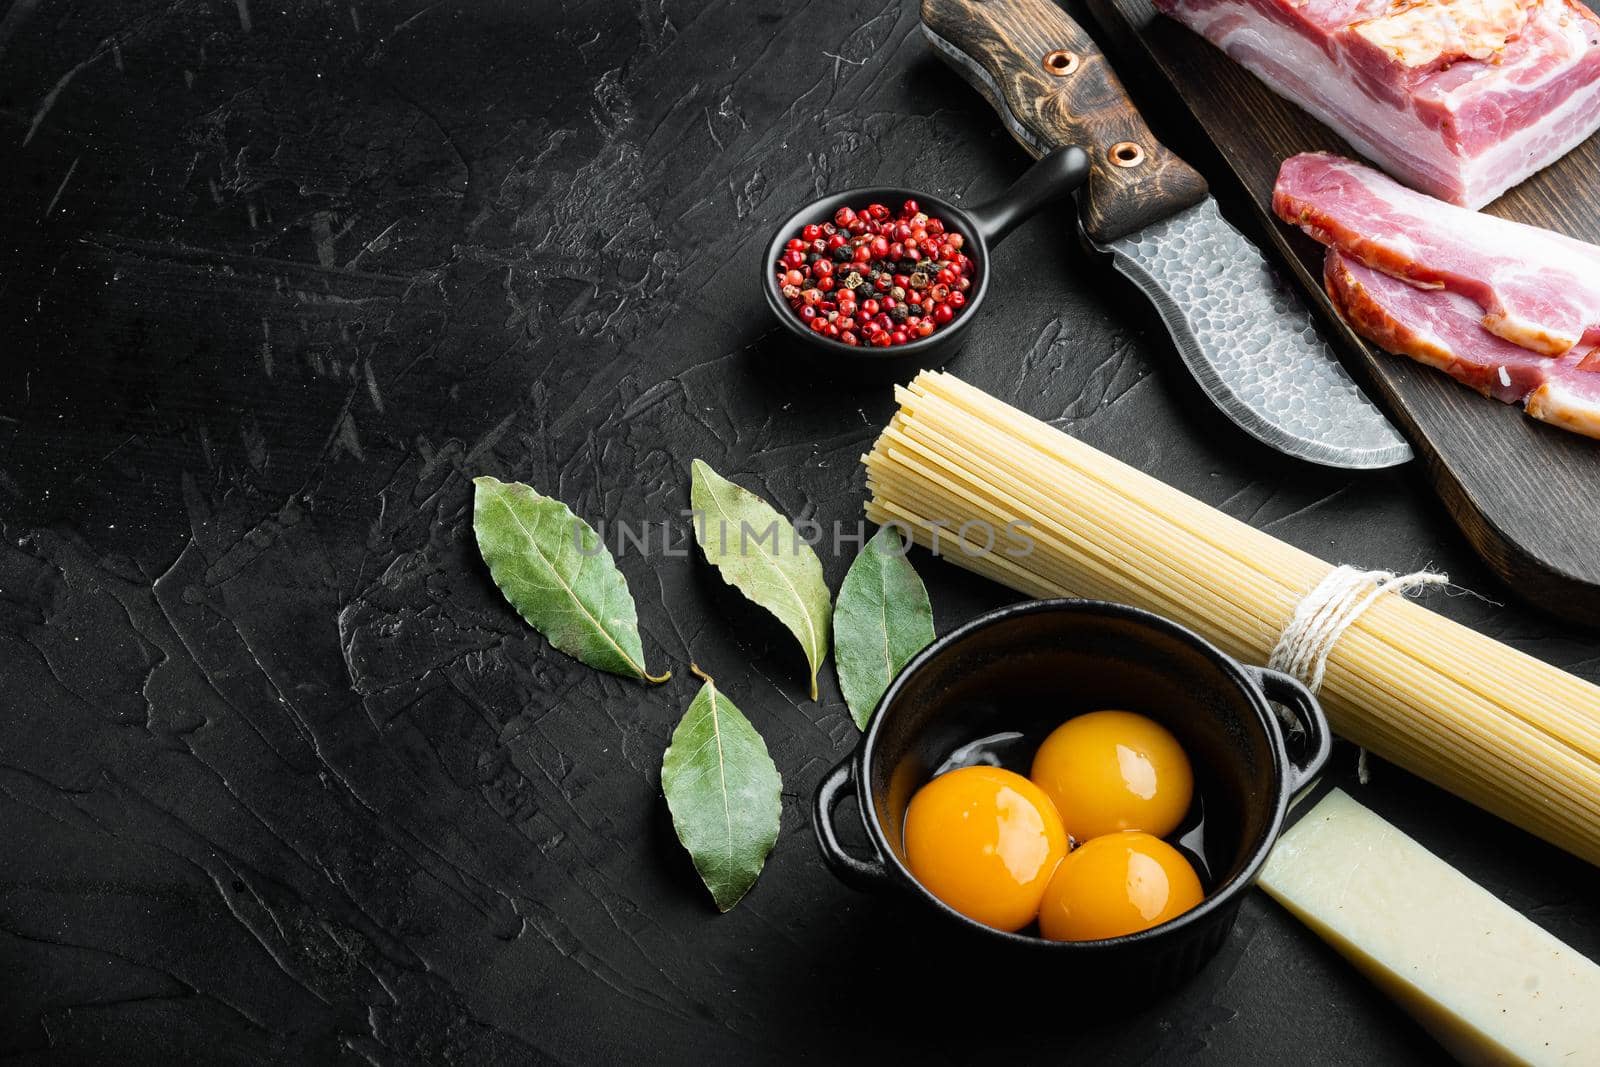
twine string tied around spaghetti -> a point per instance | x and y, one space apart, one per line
1325 613
1331 608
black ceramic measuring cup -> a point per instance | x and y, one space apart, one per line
984 227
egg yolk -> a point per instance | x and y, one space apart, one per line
1117 884
985 841
1114 770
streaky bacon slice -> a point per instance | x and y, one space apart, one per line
1432 326
1443 329
1570 401
1535 288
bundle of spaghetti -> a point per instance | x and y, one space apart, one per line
977 480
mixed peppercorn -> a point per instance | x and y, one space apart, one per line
875 278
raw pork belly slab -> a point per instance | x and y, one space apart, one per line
1459 98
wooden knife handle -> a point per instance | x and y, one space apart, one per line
1055 88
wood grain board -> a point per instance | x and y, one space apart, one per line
1526 495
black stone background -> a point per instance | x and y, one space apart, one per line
282 777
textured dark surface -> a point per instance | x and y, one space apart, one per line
281 776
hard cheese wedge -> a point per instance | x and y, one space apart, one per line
1490 985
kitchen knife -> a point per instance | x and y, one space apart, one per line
1244 333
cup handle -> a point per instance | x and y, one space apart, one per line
1288 692
851 870
1051 178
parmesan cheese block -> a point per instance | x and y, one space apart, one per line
1491 986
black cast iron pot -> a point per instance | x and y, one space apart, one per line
984 227
1027 668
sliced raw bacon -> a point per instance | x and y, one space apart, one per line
1570 401
1443 330
1535 288
1432 326
1459 98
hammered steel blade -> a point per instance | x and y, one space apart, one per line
1250 343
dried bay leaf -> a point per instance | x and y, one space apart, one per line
760 554
881 620
724 793
558 574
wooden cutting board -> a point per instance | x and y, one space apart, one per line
1526 495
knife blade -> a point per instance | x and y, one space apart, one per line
1244 334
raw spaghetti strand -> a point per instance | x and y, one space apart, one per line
1494 725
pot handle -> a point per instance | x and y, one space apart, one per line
1051 178
1288 692
852 871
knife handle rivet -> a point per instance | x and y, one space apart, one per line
1125 154
1061 63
